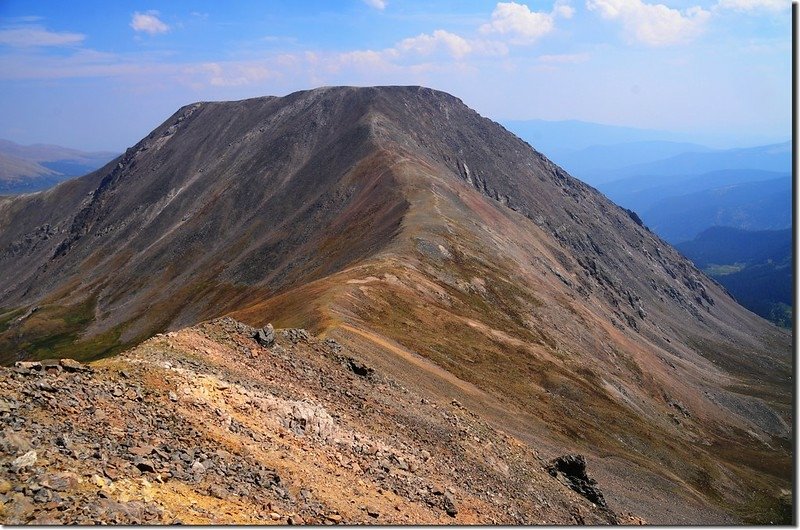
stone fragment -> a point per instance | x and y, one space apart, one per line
141 450
450 504
217 491
29 365
60 481
359 368
24 461
14 442
295 520
296 335
71 365
47 387
145 466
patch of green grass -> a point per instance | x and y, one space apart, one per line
767 509
7 317
714 269
54 331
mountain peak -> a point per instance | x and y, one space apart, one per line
405 224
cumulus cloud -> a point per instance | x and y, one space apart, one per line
426 44
34 36
521 25
148 22
754 5
377 4
511 24
653 24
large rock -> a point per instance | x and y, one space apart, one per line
71 365
573 469
265 336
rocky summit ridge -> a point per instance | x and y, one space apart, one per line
442 252
207 426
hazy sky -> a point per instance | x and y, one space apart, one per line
101 75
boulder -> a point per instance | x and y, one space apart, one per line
71 365
265 336
28 365
359 368
450 507
573 469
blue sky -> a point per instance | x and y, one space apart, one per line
101 75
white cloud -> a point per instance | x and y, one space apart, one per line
653 24
229 74
33 36
148 22
522 25
377 4
363 58
563 9
425 44
564 58
754 5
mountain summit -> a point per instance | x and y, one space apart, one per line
447 253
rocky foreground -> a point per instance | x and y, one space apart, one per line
222 423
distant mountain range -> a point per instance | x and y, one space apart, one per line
555 138
761 205
685 193
680 196
641 194
774 157
599 163
755 267
28 168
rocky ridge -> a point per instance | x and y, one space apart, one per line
207 426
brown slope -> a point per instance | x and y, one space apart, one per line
487 308
223 201
586 306
218 430
402 213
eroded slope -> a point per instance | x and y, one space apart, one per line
206 426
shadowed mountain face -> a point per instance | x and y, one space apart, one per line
403 224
